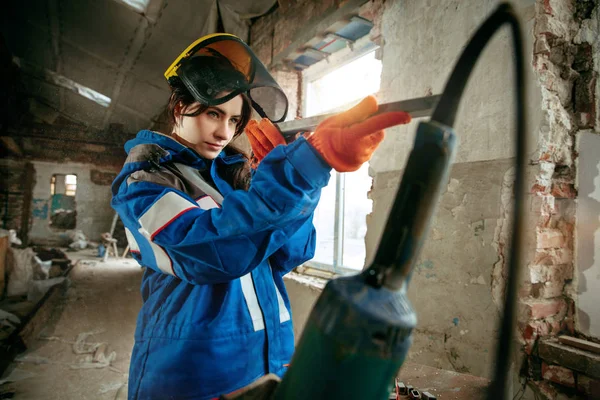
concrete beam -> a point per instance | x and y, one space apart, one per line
96 57
319 26
55 37
56 79
138 43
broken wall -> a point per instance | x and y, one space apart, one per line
588 177
92 202
455 280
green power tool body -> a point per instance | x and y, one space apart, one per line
363 324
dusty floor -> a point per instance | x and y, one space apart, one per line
100 306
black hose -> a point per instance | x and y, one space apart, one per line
445 113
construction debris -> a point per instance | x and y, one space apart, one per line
12 236
20 265
78 240
96 356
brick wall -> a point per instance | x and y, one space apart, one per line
563 63
15 195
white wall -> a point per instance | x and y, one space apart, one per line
588 233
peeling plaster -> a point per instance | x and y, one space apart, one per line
502 238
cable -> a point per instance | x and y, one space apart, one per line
445 113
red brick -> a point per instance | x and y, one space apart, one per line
551 289
550 273
588 386
546 156
557 374
550 238
546 390
535 330
568 230
553 256
539 309
548 8
563 190
537 188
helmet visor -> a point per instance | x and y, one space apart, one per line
219 67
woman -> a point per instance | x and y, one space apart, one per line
216 315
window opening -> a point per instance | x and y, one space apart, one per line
340 217
63 214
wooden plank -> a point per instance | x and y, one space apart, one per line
580 343
586 362
41 314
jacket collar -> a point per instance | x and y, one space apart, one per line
178 151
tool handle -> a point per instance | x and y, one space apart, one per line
417 107
425 175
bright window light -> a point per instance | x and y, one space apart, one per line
344 85
344 202
62 81
138 5
71 179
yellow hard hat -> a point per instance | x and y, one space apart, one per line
218 67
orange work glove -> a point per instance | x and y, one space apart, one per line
348 139
263 137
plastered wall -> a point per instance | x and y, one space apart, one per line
92 199
452 285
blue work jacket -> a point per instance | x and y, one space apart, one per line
215 314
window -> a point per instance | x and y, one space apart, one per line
70 185
63 214
340 218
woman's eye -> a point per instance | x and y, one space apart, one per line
234 121
213 114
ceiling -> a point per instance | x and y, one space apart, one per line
101 62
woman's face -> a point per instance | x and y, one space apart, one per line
209 132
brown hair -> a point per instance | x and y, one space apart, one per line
238 174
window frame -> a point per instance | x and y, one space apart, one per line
360 48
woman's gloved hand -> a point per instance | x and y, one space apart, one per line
263 137
348 139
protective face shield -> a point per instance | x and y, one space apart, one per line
218 67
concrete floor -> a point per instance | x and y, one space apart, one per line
102 301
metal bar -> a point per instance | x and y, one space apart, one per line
418 107
338 226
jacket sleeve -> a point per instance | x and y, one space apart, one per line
177 236
298 249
